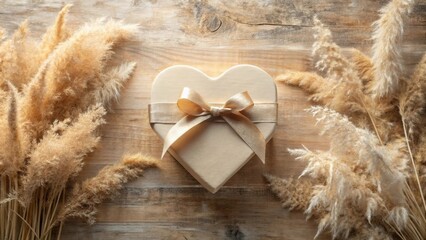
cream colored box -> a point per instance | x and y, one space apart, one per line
212 151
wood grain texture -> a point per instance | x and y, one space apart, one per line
167 203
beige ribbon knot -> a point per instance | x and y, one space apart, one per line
217 111
198 111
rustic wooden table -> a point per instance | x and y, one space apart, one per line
167 203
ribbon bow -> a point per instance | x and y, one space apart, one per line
198 111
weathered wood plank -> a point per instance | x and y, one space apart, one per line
193 213
167 203
192 23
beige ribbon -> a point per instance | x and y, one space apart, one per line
197 111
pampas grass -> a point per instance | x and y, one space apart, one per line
53 95
85 197
370 183
386 54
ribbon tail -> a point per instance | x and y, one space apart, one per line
248 131
180 128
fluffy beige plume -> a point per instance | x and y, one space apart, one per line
74 69
420 158
59 154
331 61
4 131
113 81
310 82
387 164
386 57
16 56
346 86
364 67
52 98
294 194
21 57
14 132
412 102
370 183
5 162
353 184
346 94
10 153
54 35
85 198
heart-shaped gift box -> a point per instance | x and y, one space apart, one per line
213 151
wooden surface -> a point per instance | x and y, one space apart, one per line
167 203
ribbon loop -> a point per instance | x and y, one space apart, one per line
191 103
239 102
197 111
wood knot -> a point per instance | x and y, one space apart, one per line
210 22
233 232
214 24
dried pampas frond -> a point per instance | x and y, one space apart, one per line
14 53
370 183
113 82
345 94
310 82
330 59
10 150
107 183
353 188
292 192
53 96
54 35
59 155
386 54
412 102
345 86
364 67
73 74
